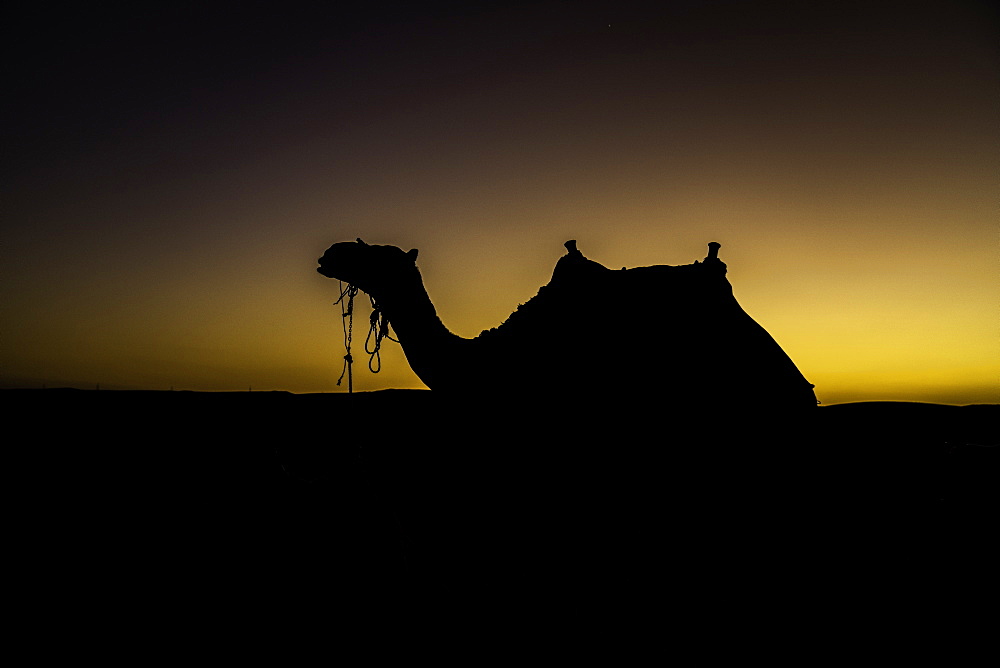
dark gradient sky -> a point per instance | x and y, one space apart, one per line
171 174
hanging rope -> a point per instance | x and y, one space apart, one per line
377 331
347 321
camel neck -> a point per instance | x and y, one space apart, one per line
428 345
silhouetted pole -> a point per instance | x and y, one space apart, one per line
350 375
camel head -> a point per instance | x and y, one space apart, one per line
366 266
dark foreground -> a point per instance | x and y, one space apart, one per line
192 508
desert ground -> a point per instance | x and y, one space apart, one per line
272 501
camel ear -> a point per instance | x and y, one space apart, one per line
412 254
361 242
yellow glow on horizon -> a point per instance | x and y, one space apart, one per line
863 317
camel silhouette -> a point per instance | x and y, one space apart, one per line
658 437
666 334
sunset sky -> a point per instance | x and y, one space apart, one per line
171 175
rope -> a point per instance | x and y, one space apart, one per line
378 330
347 321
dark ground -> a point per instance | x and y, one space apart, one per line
267 505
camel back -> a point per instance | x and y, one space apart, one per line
665 333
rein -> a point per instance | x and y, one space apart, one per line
378 329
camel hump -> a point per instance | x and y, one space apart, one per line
573 266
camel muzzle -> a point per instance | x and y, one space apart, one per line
323 269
